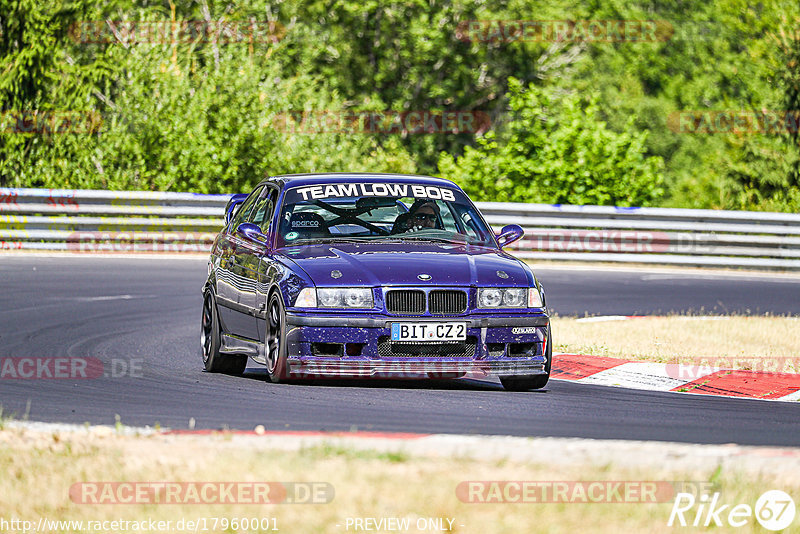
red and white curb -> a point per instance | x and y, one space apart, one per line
676 377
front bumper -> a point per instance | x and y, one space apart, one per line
360 346
300 368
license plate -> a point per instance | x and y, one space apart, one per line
429 331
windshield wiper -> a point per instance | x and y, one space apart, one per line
429 238
345 239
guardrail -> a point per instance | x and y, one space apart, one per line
133 221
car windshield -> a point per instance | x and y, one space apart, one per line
378 211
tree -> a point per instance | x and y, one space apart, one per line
762 170
554 149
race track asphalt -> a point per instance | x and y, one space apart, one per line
140 317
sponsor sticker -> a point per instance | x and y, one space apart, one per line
523 330
305 224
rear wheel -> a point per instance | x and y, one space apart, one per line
528 382
213 360
276 339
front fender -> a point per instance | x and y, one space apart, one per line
211 279
291 280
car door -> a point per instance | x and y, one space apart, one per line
250 257
268 268
231 283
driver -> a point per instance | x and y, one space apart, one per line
423 214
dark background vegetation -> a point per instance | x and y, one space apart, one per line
572 122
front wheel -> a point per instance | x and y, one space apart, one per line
276 339
528 382
213 360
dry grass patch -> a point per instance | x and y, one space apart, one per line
41 467
759 343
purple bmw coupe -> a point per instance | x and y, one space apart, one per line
370 275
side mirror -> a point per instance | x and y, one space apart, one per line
252 232
509 234
233 204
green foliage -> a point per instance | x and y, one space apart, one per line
762 174
764 169
193 117
556 150
204 116
31 31
407 56
38 75
720 56
170 128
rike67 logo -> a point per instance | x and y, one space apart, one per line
774 510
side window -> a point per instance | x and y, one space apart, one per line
447 217
247 207
264 208
469 225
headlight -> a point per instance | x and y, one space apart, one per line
490 297
351 297
509 297
534 298
514 298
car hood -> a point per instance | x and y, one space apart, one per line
382 264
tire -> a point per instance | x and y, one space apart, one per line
214 362
528 382
275 339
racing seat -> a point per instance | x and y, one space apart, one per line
308 225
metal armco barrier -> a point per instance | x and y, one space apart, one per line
132 221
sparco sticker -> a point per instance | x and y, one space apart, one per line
376 190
